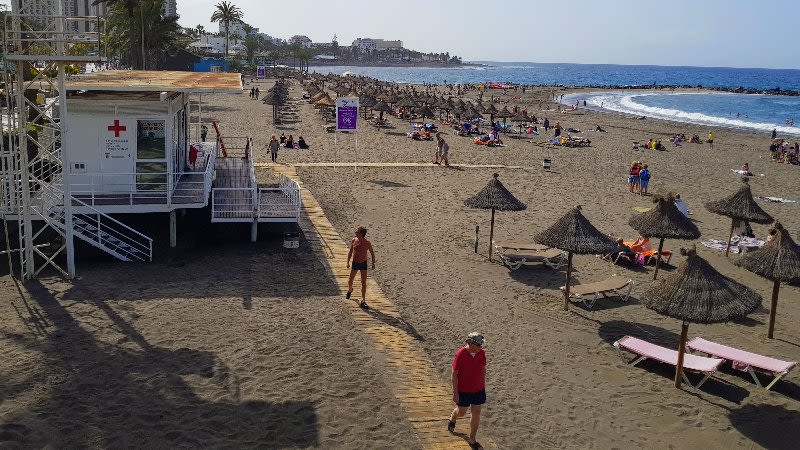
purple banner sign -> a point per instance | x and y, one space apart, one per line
346 113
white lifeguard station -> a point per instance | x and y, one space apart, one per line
117 142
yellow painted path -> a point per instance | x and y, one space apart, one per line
423 396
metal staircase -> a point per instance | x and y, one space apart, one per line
37 47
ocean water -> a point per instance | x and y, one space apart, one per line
757 113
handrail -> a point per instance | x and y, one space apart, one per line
52 196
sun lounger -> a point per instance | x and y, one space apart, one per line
550 257
646 350
501 247
611 287
744 361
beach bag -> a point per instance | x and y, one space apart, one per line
640 259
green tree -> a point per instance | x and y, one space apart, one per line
226 14
251 45
143 39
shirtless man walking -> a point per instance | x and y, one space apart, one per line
359 247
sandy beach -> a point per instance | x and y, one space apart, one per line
237 345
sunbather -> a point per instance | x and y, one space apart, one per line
621 252
641 245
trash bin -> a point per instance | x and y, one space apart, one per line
546 163
291 240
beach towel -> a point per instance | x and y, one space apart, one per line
640 209
764 198
738 244
745 173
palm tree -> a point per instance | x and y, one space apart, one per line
161 34
251 45
227 13
130 6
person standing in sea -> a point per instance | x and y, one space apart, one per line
469 385
359 247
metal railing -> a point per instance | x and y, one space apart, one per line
232 205
95 227
285 203
54 37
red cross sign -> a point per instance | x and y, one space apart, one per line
116 128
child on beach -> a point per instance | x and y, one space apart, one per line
644 179
633 176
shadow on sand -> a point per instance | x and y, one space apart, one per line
769 426
104 395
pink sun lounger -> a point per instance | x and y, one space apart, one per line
744 361
648 350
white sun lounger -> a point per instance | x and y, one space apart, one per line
647 350
550 257
589 293
501 247
744 361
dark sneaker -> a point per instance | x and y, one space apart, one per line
349 293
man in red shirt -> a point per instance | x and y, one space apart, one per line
469 388
359 248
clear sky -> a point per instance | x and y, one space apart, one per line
730 33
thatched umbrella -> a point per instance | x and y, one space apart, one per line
521 117
381 107
408 103
664 221
574 233
366 102
494 196
504 114
274 99
778 260
491 110
739 206
426 112
697 293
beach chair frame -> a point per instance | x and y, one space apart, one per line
589 300
777 376
515 263
639 358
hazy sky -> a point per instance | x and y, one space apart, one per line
731 33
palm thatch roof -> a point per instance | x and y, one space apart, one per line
381 107
391 98
520 117
697 293
495 196
325 102
274 99
778 259
664 221
740 206
490 109
574 233
407 102
504 113
366 101
425 112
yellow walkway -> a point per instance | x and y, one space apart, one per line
391 164
425 399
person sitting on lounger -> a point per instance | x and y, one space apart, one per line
641 245
621 252
745 170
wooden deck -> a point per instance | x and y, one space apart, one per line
423 395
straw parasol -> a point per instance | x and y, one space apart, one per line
504 114
325 102
739 206
664 222
381 107
778 260
521 117
697 293
407 103
366 102
496 197
574 233
426 112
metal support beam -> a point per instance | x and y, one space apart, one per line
173 229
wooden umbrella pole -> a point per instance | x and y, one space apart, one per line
681 352
775 289
730 236
566 285
491 235
658 257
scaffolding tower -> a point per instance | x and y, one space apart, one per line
39 43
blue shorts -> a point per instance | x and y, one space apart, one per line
360 266
633 179
466 399
643 183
